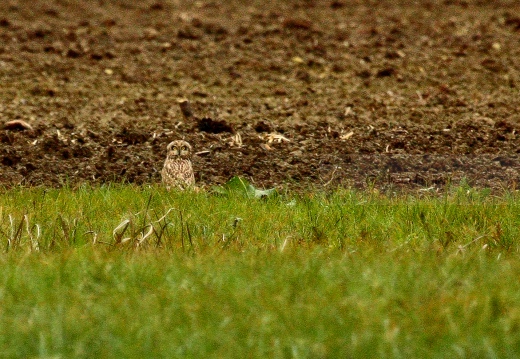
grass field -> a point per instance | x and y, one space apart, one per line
124 271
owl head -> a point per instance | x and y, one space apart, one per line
178 149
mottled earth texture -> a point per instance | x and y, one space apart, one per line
396 95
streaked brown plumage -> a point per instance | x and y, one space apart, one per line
177 170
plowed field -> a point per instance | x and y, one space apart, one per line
397 95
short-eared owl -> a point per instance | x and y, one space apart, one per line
177 170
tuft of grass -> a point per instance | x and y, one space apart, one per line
149 218
125 271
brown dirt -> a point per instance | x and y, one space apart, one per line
401 96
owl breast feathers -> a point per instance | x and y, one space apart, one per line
178 173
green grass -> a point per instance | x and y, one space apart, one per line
122 271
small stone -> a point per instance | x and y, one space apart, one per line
17 125
151 33
294 23
483 119
297 60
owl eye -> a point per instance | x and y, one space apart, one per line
184 148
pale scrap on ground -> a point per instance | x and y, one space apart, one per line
275 137
346 136
235 140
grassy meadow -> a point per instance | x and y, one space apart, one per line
132 272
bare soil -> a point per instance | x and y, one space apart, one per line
400 96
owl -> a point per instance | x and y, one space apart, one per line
177 170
